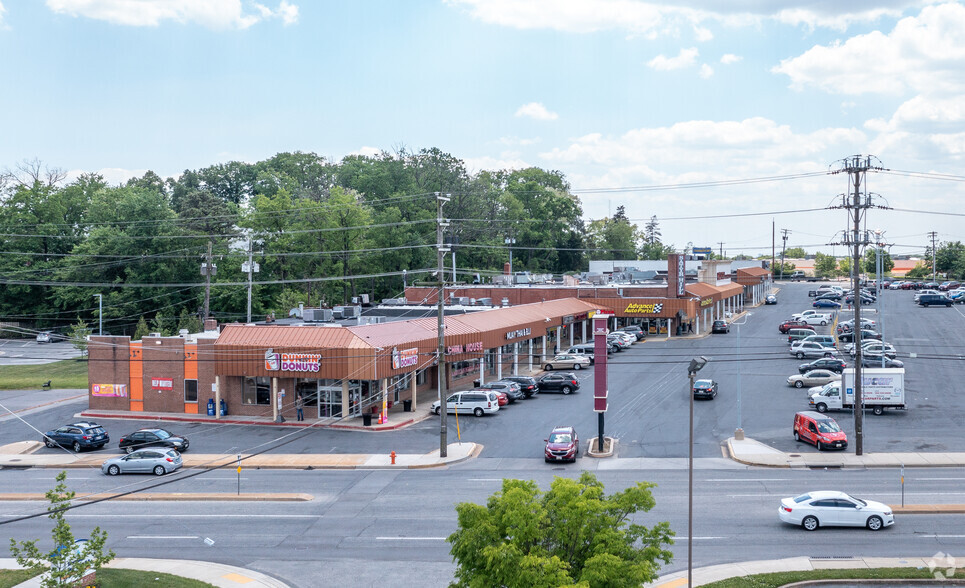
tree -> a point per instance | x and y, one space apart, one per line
141 330
787 271
921 270
949 256
651 231
825 265
161 324
189 321
78 334
614 238
844 267
795 253
571 534
870 262
67 564
655 250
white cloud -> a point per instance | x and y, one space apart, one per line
703 34
686 58
366 151
536 111
504 161
215 14
2 10
517 141
921 54
652 18
706 71
729 58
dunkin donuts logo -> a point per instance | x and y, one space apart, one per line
292 362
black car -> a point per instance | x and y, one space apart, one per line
848 336
875 361
705 389
564 382
78 436
510 388
527 384
829 296
634 330
770 299
720 327
832 364
153 438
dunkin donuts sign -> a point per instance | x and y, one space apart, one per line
292 362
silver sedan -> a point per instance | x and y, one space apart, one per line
813 378
156 460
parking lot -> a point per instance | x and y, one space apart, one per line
649 398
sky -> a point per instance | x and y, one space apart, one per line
679 110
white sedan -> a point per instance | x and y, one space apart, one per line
813 378
817 319
834 509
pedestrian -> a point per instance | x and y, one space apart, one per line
299 405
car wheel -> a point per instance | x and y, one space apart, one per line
48 442
477 411
878 410
76 447
548 367
113 470
799 384
159 470
577 366
822 407
129 449
796 436
565 390
823 323
800 355
819 445
438 410
810 523
875 523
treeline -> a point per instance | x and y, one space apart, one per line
321 233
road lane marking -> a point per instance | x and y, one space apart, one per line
484 479
411 538
192 516
747 480
163 537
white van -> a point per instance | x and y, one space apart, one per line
475 402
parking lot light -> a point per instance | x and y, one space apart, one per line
696 364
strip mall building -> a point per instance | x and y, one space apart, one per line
351 371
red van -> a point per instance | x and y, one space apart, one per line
819 429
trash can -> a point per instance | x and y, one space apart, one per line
224 408
407 405
211 407
476 383
366 420
375 409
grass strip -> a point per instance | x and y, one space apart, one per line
777 579
114 578
66 373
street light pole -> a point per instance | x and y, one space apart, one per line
100 313
695 366
739 433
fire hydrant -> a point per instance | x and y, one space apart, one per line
392 455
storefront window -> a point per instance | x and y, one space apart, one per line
256 391
190 390
460 369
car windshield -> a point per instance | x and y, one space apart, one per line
560 438
828 427
802 498
162 434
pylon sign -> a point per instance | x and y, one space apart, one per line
601 320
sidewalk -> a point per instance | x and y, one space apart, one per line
212 573
755 453
710 574
20 455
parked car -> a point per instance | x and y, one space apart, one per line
865 299
158 461
812 349
834 509
951 285
617 343
563 444
877 349
924 292
848 325
500 398
510 388
770 299
526 383
720 327
826 340
630 338
866 334
78 436
813 378
153 438
829 296
849 347
43 337
824 363
821 430
586 349
475 402
824 303
573 362
817 319
635 330
560 382
799 334
875 361
926 300
792 324
705 389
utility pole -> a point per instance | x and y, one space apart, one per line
441 224
772 247
250 269
721 243
934 274
784 234
856 202
207 270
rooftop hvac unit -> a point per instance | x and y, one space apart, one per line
505 301
158 335
365 298
351 311
355 299
393 301
371 320
338 312
462 300
486 301
317 315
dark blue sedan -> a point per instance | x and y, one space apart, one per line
826 304
78 436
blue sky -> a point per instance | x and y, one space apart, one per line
617 94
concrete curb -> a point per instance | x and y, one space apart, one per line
597 454
171 497
20 447
91 414
754 453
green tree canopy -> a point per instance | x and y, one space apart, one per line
571 534
825 265
869 263
795 253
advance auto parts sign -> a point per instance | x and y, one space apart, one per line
292 362
634 308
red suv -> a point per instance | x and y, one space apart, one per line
563 444
792 324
